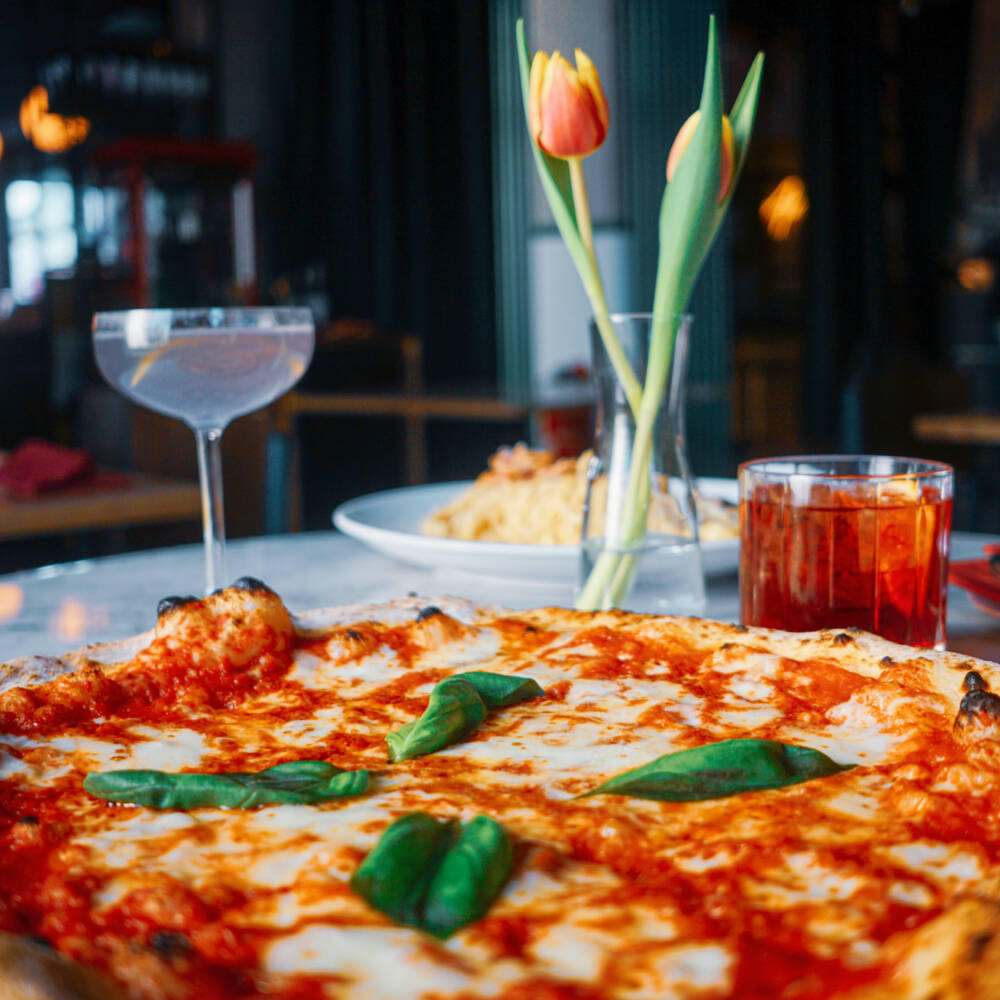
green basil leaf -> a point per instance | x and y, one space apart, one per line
395 874
435 874
454 711
302 782
456 707
469 877
500 690
717 770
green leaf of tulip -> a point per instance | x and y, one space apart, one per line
303 782
456 708
553 172
718 770
562 178
434 874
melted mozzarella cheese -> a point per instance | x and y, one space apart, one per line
362 955
689 968
949 863
171 749
573 952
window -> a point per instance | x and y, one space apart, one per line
41 232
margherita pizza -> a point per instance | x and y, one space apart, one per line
434 800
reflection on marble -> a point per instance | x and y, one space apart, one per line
55 608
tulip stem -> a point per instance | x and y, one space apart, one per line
595 290
581 204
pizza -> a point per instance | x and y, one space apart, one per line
527 496
432 799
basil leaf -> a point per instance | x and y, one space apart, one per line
501 690
717 770
456 707
469 877
300 782
435 874
395 875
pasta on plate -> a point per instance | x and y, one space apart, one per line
527 496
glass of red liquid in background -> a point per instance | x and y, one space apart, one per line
829 541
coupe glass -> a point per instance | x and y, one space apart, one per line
205 367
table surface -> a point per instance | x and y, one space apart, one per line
55 608
138 499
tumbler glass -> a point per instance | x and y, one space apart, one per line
828 541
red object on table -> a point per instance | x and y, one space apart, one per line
979 579
37 465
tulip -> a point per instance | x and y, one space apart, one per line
567 109
726 152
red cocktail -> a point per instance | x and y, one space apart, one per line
834 541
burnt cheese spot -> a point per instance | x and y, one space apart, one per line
169 604
428 612
973 681
977 945
28 820
842 639
169 943
978 707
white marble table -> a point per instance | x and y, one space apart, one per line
55 608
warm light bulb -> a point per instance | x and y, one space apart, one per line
49 132
976 274
33 107
785 207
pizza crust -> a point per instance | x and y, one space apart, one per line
30 971
955 956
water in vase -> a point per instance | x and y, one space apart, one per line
666 573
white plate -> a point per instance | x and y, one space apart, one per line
389 522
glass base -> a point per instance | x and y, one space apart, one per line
664 574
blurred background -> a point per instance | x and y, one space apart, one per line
369 159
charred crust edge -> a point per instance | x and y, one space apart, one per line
168 604
978 706
252 585
974 681
429 612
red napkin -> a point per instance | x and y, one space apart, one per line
978 577
36 465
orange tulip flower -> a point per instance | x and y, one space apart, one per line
726 153
567 109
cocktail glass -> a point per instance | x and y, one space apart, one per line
829 541
205 367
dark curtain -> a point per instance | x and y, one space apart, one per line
388 171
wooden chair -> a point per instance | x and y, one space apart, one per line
357 370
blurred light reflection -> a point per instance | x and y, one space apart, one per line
74 619
785 207
11 601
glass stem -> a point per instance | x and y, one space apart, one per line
213 518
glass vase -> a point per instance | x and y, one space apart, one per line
639 545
